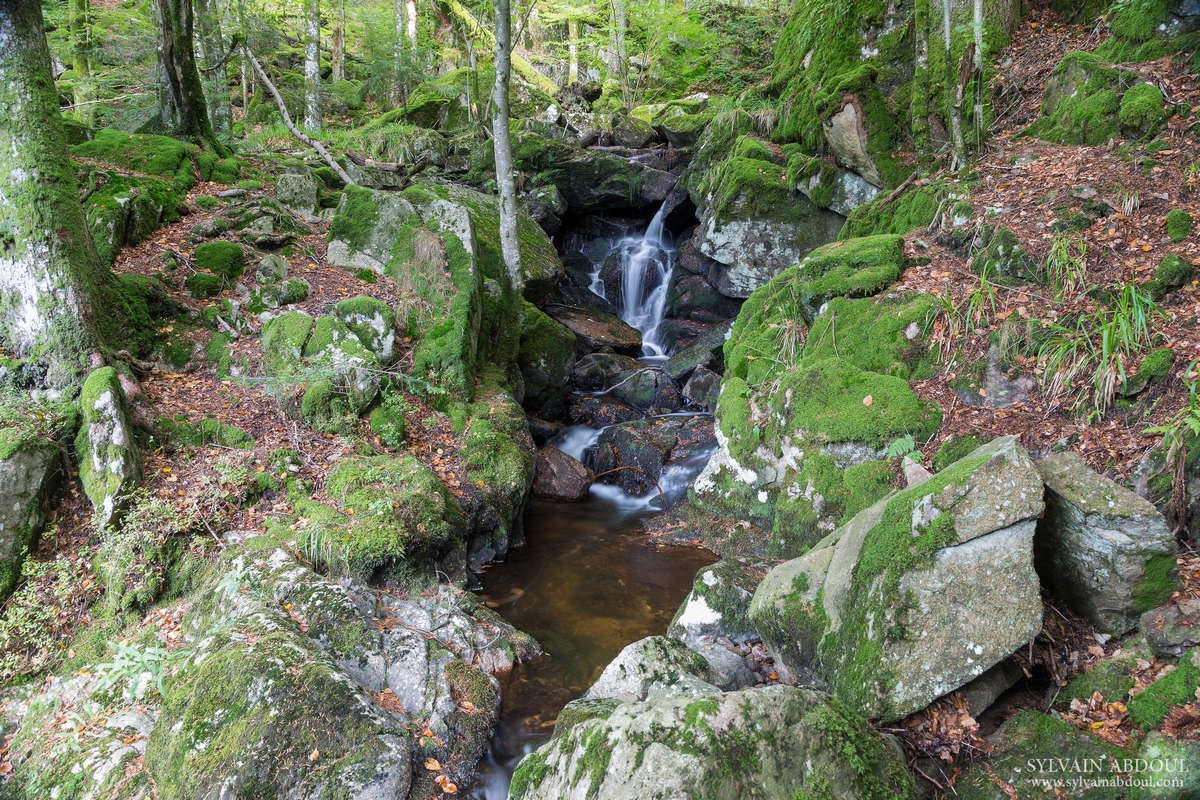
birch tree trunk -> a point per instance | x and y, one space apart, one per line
619 40
502 141
49 271
338 48
920 96
81 46
953 94
398 54
210 50
411 29
572 50
185 112
979 88
312 64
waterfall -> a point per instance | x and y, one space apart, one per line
646 261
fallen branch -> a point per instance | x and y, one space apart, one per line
287 120
404 171
661 496
899 190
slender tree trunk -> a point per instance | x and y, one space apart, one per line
49 271
338 46
978 121
410 7
81 46
502 141
618 40
312 64
210 50
920 97
398 53
572 50
953 94
185 103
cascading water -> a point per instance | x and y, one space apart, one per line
646 261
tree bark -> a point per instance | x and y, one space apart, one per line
953 95
920 95
49 270
338 47
211 49
188 117
410 7
312 65
978 122
398 55
502 142
572 50
619 40
81 46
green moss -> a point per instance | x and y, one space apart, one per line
326 409
850 268
225 259
1082 101
1160 579
840 495
1141 111
205 432
387 421
207 202
1179 225
1110 678
283 341
883 335
202 285
1178 687
1173 271
160 156
530 773
914 209
402 515
358 217
956 448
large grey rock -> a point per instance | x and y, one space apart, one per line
1100 547
705 351
918 594
703 388
298 192
272 268
110 465
847 136
351 365
28 473
718 603
776 742
1173 629
652 668
597 372
595 330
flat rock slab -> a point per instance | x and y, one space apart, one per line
1106 551
595 330
1173 629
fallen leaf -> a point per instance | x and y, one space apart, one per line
433 765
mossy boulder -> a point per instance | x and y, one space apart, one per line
283 340
1107 552
1149 30
591 180
299 192
1141 113
1005 260
28 474
110 464
121 209
887 335
956 447
649 669
373 322
1082 101
850 268
158 156
275 295
546 357
335 350
227 260
781 741
717 604
629 131
818 497
875 611
1179 225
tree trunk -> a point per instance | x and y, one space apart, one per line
312 64
338 47
619 40
920 96
978 125
411 13
502 141
81 46
210 50
185 112
49 271
398 54
953 95
573 50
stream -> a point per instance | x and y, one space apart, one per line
588 581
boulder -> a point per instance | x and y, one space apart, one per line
1107 552
1081 103
601 411
1174 628
652 668
546 357
348 363
644 445
272 268
595 330
780 741
717 604
110 465
597 372
559 478
648 389
547 207
918 594
28 474
1005 259
705 351
300 193
703 388
693 297
630 131
372 322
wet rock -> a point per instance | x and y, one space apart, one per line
597 372
1100 547
949 562
676 334
110 465
647 389
703 388
726 669
693 297
28 475
692 260
652 668
643 445
541 430
600 411
560 478
595 330
705 351
683 748
546 357
547 207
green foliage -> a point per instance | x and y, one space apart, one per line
1066 266
135 561
901 447
387 420
32 637
207 431
203 285
139 670
207 202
